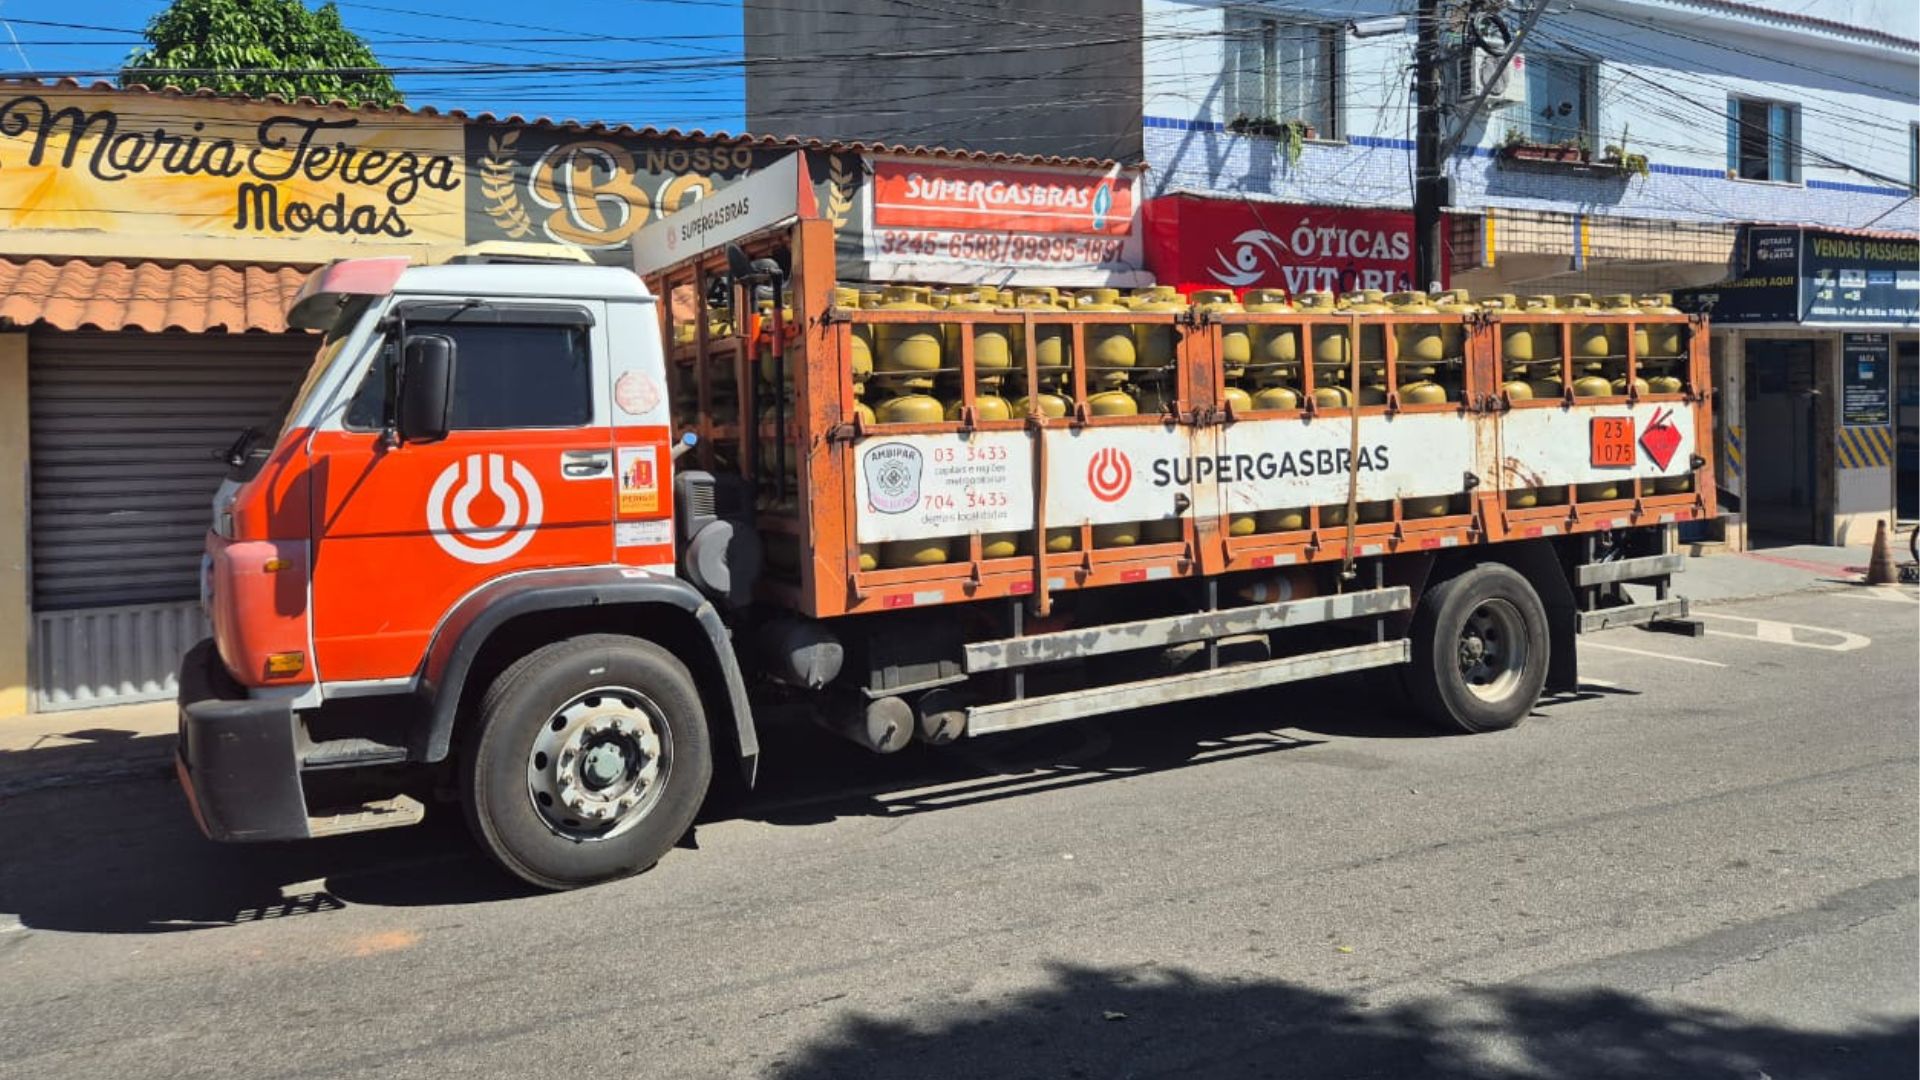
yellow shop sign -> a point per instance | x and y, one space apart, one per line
74 161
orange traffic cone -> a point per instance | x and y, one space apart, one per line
1880 568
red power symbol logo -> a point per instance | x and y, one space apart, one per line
1109 475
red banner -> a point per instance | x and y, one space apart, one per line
1202 243
922 195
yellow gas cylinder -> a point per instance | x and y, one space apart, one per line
1287 520
910 408
1052 405
1238 400
1329 342
869 557
1276 349
1420 344
985 407
1525 342
1236 345
1111 352
992 342
864 412
1456 304
903 553
1155 341
1059 540
1330 346
999 545
1591 342
1112 402
1619 386
910 353
1275 398
1660 339
1050 343
860 348
1373 343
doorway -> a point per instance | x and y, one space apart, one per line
1783 494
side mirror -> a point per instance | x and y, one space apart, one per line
426 388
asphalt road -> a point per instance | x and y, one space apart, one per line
1704 865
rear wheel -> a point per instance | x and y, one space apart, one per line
589 759
1479 650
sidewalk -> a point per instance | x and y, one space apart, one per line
1715 579
78 746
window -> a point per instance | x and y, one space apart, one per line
1763 140
1281 71
1913 157
505 376
1559 101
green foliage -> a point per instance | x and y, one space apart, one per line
259 47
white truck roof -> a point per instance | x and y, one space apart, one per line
522 279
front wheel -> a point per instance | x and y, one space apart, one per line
589 760
1479 650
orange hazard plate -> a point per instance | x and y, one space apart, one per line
1612 442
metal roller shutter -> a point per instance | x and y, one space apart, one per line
125 429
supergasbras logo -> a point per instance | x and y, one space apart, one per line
450 509
893 477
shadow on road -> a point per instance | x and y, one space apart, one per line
125 857
1099 1023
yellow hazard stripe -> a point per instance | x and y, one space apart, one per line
1736 454
1864 447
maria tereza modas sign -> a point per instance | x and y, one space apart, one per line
163 165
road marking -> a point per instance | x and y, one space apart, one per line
1774 632
1889 595
1604 684
1654 655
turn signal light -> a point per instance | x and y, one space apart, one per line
274 566
286 663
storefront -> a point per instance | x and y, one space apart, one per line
1814 351
1201 242
150 241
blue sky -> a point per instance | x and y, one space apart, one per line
689 46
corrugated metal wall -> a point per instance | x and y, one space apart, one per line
126 430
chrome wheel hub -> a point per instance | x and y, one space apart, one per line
599 763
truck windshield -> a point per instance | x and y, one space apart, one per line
250 447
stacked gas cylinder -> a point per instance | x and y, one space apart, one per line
1532 364
1130 371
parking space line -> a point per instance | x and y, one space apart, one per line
1654 655
1799 635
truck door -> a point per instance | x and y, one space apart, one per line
523 480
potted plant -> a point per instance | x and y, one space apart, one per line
1294 133
1517 147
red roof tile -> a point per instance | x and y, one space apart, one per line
69 294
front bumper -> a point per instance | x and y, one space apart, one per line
237 756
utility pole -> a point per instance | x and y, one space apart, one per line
1429 180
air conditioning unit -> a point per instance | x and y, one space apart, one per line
1475 71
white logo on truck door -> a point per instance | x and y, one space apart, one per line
452 524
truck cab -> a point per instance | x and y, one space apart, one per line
470 447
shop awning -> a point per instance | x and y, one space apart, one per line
70 294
